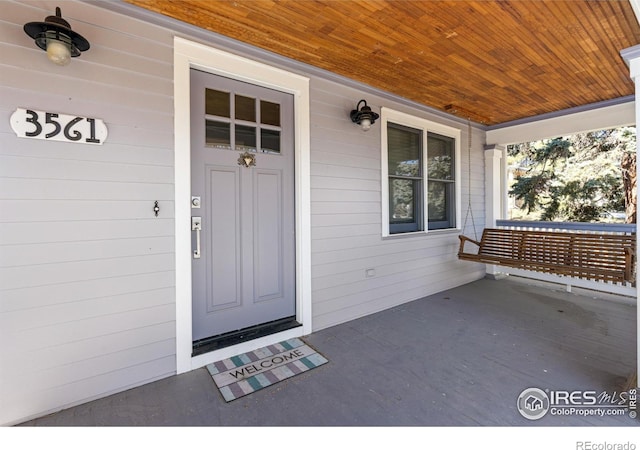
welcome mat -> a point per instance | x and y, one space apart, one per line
243 374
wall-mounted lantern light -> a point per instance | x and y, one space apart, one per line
364 116
55 36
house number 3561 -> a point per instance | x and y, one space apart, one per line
28 123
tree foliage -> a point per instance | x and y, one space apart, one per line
577 178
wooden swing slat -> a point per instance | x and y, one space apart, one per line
601 257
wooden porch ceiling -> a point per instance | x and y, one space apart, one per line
494 61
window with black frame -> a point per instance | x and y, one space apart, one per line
440 181
405 178
421 179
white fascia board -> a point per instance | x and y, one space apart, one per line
621 114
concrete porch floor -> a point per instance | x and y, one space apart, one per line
456 358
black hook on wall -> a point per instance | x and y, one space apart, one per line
156 208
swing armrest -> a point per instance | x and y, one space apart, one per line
464 239
630 259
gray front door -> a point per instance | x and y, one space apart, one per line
242 186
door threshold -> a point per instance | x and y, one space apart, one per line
213 343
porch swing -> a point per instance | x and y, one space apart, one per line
599 257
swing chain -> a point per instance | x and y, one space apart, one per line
469 209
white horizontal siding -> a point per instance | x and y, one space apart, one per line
38 274
147 131
32 361
52 168
60 252
38 296
24 403
87 272
346 184
93 308
394 292
19 233
82 88
341 195
59 334
373 246
346 214
388 265
34 210
382 286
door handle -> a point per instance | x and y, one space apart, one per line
196 225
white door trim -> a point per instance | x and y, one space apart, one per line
187 55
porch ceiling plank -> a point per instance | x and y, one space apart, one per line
498 60
598 44
627 23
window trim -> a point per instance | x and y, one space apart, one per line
426 126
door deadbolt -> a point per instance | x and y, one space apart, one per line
195 202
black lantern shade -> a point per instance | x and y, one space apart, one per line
56 32
364 116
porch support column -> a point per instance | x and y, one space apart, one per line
493 190
632 58
493 182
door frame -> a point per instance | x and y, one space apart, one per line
187 55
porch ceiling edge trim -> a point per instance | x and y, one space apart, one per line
211 38
564 112
609 116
